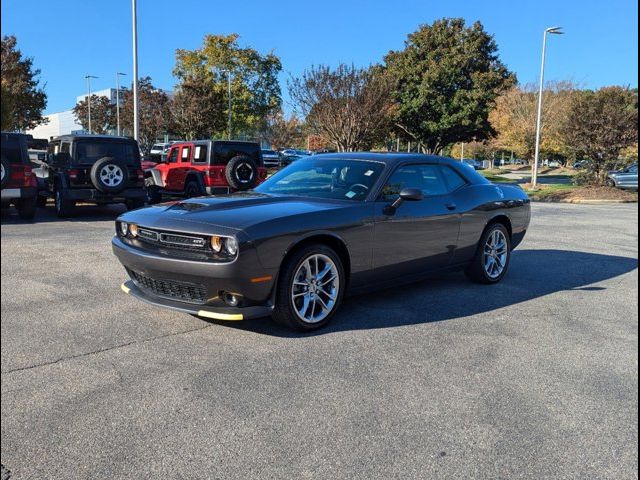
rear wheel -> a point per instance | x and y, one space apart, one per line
64 207
492 258
192 189
27 207
310 288
42 201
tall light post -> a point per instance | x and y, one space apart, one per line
118 100
534 170
134 28
88 78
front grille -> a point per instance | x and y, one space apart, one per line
182 291
174 240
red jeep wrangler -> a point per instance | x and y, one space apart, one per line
206 167
19 184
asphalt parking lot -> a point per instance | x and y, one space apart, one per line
534 378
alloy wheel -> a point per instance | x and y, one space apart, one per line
495 254
111 175
315 289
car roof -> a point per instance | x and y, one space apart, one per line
94 137
392 159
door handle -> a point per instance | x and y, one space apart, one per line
451 206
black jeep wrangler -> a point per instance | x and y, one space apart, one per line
97 169
19 186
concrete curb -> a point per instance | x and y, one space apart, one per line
584 202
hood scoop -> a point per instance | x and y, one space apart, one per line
187 206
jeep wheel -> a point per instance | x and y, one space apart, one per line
241 173
26 207
192 189
64 206
42 201
6 171
109 175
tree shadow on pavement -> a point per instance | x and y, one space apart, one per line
532 274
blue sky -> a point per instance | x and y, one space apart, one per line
69 38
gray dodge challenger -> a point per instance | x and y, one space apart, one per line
327 224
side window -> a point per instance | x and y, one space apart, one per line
453 179
64 147
427 178
633 169
185 154
200 154
173 155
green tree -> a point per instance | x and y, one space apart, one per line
23 100
255 90
154 115
447 79
196 108
600 125
103 114
348 106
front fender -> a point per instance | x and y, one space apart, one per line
155 176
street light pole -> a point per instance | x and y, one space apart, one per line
135 67
118 100
534 170
88 78
229 95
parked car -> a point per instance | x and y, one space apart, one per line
580 164
206 167
288 159
626 179
98 169
38 160
271 158
19 185
159 151
475 164
325 224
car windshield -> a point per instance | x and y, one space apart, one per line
325 178
91 152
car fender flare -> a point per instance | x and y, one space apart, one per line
198 177
155 175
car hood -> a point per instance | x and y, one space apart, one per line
237 212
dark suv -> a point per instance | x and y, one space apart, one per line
19 186
206 167
97 169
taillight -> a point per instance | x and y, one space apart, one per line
22 175
73 174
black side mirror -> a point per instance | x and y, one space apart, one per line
406 194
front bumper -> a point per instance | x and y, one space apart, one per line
15 193
218 313
93 195
160 278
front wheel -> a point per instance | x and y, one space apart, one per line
492 257
310 288
64 207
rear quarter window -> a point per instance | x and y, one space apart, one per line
91 152
225 151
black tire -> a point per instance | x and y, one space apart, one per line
27 207
192 189
64 207
241 173
476 271
284 312
42 201
134 204
611 182
109 169
6 171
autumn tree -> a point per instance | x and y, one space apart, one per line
103 114
349 106
283 132
255 90
600 125
514 119
196 108
446 81
23 99
154 116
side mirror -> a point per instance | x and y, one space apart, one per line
406 194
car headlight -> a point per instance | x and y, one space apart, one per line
124 228
225 245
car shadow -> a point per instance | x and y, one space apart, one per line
532 274
83 213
